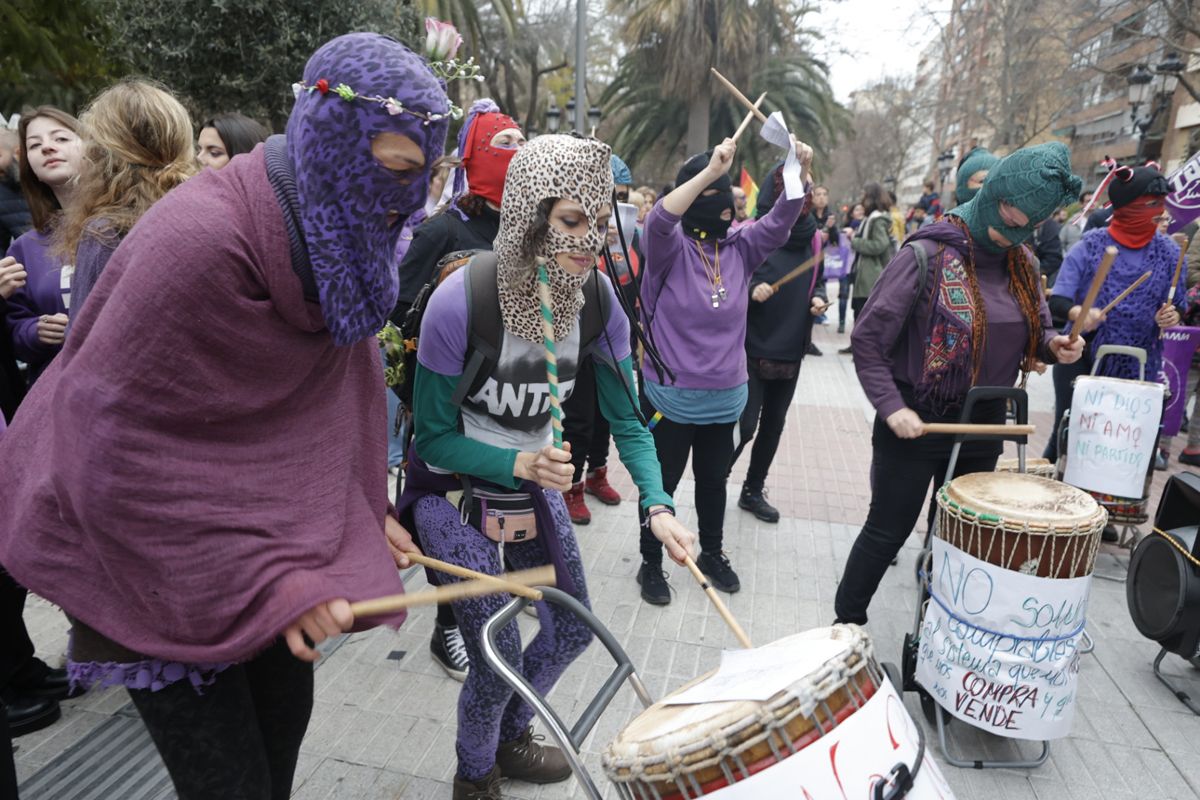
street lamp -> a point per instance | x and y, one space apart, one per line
1142 92
553 117
945 163
594 118
572 121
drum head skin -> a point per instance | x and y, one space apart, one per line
1023 498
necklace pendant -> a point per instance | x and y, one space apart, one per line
716 300
721 293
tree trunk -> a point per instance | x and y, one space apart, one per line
697 131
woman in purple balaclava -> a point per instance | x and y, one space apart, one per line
196 479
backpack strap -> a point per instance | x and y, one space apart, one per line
597 302
922 281
485 327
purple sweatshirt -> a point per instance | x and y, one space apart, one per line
889 351
42 294
705 346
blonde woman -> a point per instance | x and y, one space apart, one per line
138 141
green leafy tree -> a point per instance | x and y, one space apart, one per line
51 51
664 95
242 55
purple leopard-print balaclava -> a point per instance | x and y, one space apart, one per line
345 194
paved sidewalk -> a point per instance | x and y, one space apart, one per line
383 725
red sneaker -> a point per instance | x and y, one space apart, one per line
575 505
598 486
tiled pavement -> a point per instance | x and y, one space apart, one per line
383 725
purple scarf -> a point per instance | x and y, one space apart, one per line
345 193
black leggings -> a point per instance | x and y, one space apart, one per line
766 409
900 476
8 770
711 448
584 426
240 739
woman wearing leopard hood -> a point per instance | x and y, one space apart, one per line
484 483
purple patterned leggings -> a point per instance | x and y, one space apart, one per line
488 711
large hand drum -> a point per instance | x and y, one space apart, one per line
1023 523
838 725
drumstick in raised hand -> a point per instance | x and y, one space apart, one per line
1180 240
797 272
719 604
498 581
543 285
753 108
749 118
1145 277
1110 254
539 576
971 428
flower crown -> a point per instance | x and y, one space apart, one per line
441 44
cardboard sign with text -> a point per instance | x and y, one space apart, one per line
845 763
1111 440
999 649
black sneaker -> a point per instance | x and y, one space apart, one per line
1189 458
450 652
653 581
1110 534
755 501
848 350
813 350
718 571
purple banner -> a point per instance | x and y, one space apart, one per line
1179 345
838 259
1183 203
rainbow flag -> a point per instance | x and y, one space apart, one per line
751 189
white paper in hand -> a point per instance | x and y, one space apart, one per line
775 131
759 673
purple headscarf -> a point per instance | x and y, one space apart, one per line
345 193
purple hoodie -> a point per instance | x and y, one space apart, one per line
42 294
705 346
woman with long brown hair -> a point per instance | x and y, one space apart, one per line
35 280
138 148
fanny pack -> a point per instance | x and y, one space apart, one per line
500 516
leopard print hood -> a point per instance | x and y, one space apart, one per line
345 194
548 167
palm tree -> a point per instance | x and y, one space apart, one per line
663 92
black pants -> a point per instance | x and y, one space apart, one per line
240 739
901 472
766 410
8 770
711 448
17 664
1064 376
583 425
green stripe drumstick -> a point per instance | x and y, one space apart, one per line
543 284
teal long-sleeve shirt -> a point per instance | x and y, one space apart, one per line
440 443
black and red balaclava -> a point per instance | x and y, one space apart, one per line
1137 196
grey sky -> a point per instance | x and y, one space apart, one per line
865 40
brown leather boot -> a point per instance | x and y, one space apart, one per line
525 759
576 507
486 789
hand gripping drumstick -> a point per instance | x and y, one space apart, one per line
1127 292
543 284
976 428
753 108
797 272
749 118
742 638
462 572
1110 253
539 576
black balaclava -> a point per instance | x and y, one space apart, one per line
703 220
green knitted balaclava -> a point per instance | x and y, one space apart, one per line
978 159
1035 179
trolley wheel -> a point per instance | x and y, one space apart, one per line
929 706
909 664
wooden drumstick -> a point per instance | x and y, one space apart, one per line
498 581
719 604
540 576
749 118
976 428
797 272
1110 254
1180 240
1145 277
761 117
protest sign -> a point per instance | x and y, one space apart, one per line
1183 203
1112 436
998 648
1179 345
